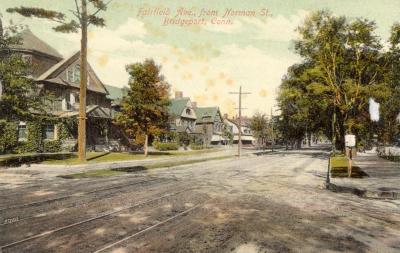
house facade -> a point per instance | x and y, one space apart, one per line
60 78
182 114
246 132
210 125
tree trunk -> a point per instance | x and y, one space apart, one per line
82 92
146 145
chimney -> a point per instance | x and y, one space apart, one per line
178 94
225 116
194 104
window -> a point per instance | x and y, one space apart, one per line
49 131
22 131
70 75
77 73
188 111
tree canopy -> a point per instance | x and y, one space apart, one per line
145 107
343 65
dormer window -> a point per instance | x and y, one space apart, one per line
188 111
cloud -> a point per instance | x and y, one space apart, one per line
277 28
203 71
132 27
236 27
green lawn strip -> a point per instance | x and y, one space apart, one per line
339 168
97 157
118 171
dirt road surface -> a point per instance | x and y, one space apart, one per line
268 203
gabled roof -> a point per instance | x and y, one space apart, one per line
178 105
115 93
206 114
94 111
52 74
32 43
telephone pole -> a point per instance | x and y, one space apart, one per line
240 93
272 132
83 84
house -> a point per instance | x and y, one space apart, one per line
246 132
182 114
210 125
60 77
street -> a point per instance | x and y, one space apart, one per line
259 203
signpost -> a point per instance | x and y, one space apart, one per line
350 142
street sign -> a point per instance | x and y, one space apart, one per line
350 140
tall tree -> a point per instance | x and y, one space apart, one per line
259 126
81 20
19 97
145 108
345 68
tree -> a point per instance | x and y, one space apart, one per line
20 99
259 126
144 109
81 20
389 126
341 70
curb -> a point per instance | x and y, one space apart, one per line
363 193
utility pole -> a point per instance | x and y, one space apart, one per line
240 93
272 132
83 82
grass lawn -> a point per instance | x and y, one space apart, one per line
339 168
97 157
119 171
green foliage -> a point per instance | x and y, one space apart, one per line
259 125
145 107
52 146
227 133
343 66
8 136
35 137
20 96
65 24
196 146
165 146
183 139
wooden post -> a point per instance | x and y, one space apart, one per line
83 81
350 162
146 145
240 122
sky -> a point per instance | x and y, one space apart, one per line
205 60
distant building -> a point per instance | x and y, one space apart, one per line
247 134
202 123
210 125
182 114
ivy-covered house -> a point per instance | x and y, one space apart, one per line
59 78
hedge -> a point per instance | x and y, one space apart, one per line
196 146
165 146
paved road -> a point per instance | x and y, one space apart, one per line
270 203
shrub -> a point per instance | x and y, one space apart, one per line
8 136
165 146
52 146
196 146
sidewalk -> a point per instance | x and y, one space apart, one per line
383 179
